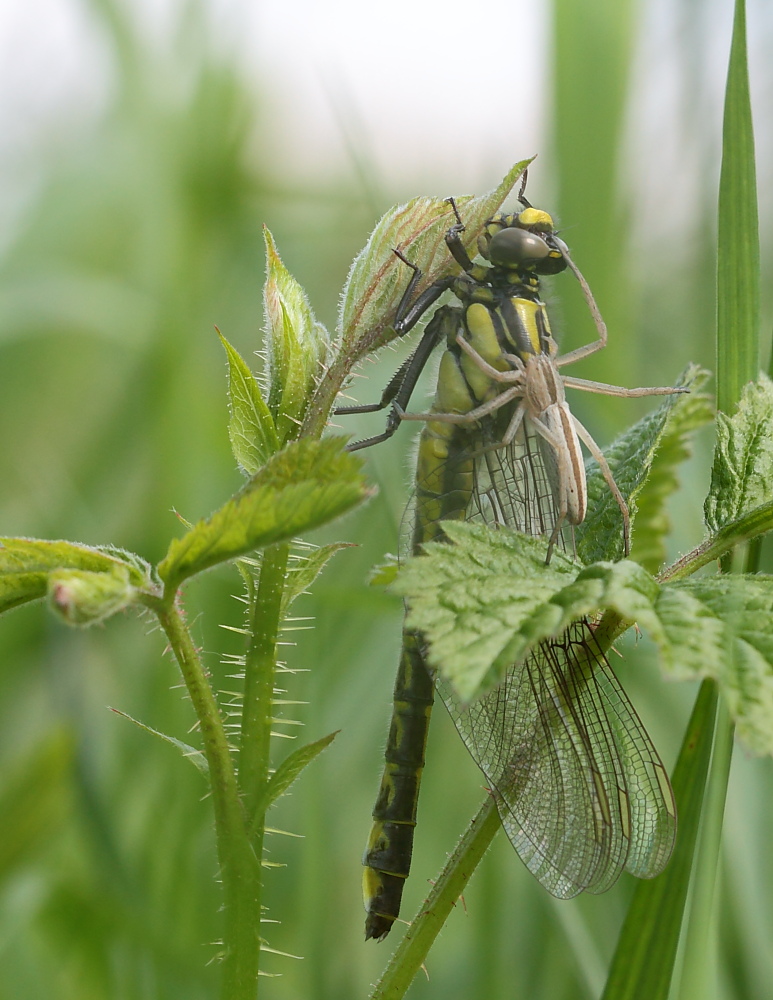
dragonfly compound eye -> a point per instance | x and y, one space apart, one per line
515 247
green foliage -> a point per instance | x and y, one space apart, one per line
487 599
287 773
653 525
196 757
738 241
137 236
742 473
630 458
251 428
377 279
302 487
305 568
85 584
297 346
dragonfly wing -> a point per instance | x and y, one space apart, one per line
581 791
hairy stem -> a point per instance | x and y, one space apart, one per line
239 867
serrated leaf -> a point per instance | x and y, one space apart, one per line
250 427
305 569
196 757
288 771
722 627
377 279
742 473
688 415
630 458
483 601
27 563
297 346
306 485
487 599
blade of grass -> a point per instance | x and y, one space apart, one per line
738 247
738 310
644 958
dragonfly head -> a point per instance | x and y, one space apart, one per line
522 243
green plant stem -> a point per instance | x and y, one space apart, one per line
751 526
426 925
239 868
322 401
259 674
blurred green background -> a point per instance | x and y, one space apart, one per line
133 229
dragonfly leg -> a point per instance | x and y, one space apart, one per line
603 389
502 399
560 448
606 472
400 388
601 326
493 373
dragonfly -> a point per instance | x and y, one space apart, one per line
581 791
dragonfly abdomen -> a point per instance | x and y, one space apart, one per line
387 858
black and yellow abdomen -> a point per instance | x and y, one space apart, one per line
445 480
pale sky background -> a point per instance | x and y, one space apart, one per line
437 96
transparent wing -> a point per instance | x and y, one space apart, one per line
581 791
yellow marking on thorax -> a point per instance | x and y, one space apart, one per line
452 394
482 336
527 313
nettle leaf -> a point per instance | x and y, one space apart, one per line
304 486
722 627
298 346
742 474
378 279
196 757
486 599
251 427
483 601
630 458
688 415
92 582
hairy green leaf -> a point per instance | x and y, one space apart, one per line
196 757
377 279
251 427
304 486
485 600
305 568
630 458
289 770
688 415
722 627
82 598
27 564
297 345
742 474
